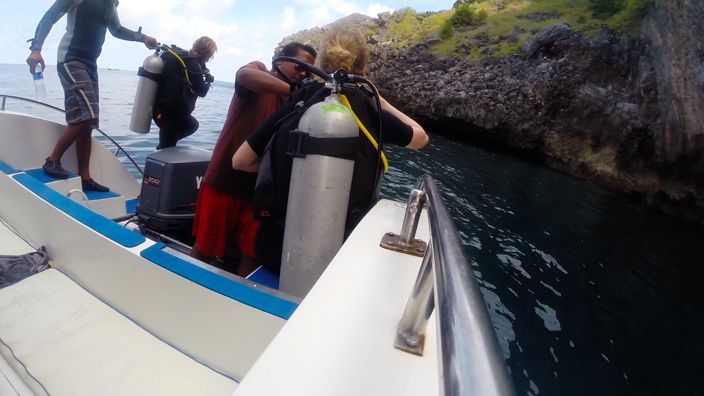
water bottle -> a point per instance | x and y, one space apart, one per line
39 89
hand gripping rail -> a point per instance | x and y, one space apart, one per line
470 361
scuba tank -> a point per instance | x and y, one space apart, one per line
318 196
147 87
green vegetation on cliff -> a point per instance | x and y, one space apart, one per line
474 29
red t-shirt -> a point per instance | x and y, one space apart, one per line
248 110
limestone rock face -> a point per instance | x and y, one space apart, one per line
315 35
674 34
627 113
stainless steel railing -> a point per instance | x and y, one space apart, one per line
117 145
470 359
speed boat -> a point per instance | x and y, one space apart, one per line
122 309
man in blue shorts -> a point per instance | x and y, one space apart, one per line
88 21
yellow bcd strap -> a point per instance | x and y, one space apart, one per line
185 69
366 133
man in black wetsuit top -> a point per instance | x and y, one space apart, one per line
183 80
88 20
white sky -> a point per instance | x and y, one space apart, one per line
244 30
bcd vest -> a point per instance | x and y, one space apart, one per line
174 94
273 181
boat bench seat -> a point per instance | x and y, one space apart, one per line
61 340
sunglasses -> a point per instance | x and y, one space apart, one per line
301 69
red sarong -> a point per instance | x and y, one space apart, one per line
222 220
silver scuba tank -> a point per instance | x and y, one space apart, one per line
318 197
147 87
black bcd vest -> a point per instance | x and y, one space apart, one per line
174 94
273 180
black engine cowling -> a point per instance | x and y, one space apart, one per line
172 178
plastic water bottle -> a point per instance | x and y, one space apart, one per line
39 89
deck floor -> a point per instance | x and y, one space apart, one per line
11 244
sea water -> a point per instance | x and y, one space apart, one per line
590 293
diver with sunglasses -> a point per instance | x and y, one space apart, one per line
224 218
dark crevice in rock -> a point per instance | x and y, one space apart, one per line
496 139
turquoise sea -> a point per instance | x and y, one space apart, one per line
590 293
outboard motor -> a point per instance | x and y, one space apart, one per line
172 179
147 87
317 200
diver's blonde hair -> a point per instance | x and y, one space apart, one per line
344 49
204 48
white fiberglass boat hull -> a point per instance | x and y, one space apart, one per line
339 340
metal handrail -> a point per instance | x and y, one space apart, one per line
119 148
470 359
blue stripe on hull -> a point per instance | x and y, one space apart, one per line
248 295
100 224
131 205
265 277
91 195
7 169
43 177
95 195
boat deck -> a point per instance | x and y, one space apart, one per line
68 324
48 320
11 244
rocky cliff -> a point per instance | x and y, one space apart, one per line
627 113
674 35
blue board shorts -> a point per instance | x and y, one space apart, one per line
80 82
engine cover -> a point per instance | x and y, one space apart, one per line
172 179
